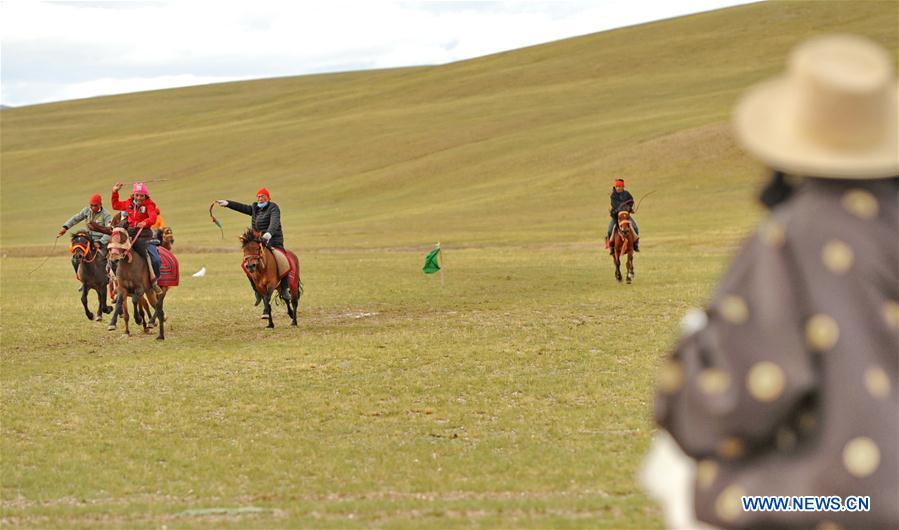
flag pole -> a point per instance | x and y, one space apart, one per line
440 262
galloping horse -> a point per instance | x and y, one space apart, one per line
261 267
91 272
133 281
623 243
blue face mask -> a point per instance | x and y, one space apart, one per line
262 204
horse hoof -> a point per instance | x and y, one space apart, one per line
90 316
270 326
110 328
107 310
160 338
99 318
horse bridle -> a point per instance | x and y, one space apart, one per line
85 248
247 258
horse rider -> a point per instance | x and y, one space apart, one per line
266 219
95 212
622 200
142 212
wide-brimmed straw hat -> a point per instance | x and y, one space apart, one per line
833 114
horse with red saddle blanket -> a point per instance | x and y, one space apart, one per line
272 270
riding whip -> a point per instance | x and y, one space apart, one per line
216 221
48 255
641 199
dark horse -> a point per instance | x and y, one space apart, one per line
623 243
262 269
91 272
133 281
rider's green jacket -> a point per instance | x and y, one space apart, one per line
102 217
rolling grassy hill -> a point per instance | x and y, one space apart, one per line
511 148
518 395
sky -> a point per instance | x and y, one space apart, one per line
60 50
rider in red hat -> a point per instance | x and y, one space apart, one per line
266 220
142 212
622 200
95 212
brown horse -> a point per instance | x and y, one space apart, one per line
262 269
144 312
91 272
623 243
133 281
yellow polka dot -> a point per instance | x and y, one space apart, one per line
729 504
786 439
877 382
731 448
808 421
706 472
837 256
828 525
861 456
860 203
772 233
765 381
672 377
713 381
891 313
734 309
821 332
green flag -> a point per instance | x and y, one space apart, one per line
431 262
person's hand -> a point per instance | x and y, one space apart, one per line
267 237
61 232
142 224
221 202
117 187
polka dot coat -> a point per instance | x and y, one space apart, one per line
786 384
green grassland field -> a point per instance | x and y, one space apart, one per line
516 392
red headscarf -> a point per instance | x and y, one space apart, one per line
619 182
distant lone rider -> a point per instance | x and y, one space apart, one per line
95 212
622 200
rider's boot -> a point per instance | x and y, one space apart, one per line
607 243
637 245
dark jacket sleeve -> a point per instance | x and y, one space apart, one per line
274 220
731 383
240 207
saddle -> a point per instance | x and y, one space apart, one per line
288 267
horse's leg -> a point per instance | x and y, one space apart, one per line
267 298
115 312
630 265
101 303
295 302
87 312
125 312
617 258
160 313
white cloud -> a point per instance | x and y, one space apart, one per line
60 50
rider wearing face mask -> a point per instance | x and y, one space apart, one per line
266 220
142 213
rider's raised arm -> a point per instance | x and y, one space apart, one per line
240 207
116 203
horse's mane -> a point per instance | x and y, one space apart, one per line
250 236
